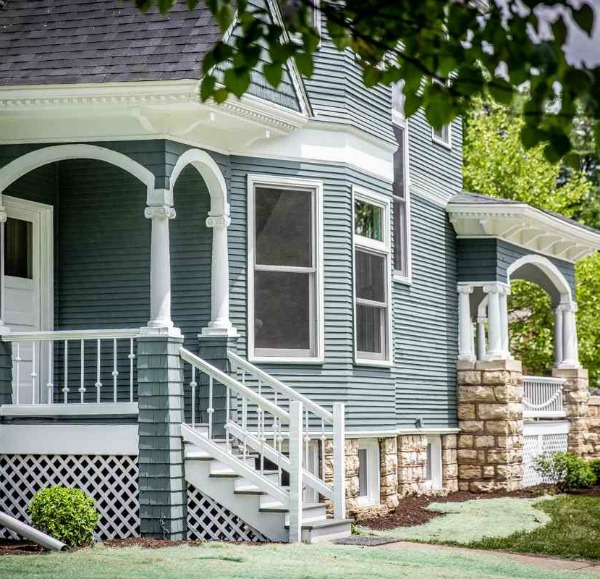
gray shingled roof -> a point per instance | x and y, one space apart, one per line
478 199
93 41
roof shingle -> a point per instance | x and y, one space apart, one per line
95 41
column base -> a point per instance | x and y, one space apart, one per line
161 331
219 332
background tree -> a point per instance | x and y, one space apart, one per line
496 164
447 52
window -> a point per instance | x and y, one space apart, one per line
433 466
368 472
401 205
443 135
284 274
371 265
18 248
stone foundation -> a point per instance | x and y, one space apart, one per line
450 463
412 459
388 467
576 396
351 469
490 413
593 425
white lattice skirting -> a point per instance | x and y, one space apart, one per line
541 439
112 481
209 521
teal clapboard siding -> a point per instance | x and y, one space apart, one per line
489 259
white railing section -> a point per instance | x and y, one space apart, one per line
89 362
543 397
274 429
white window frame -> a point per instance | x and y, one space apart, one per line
400 276
435 482
382 248
285 356
373 496
447 143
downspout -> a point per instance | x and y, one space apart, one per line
30 533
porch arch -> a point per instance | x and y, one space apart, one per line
218 219
30 161
541 271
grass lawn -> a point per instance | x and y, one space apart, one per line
573 531
218 560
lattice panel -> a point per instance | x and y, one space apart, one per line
112 481
209 521
535 446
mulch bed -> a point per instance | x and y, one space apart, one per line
8 547
413 511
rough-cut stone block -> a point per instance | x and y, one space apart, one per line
472 426
475 394
467 412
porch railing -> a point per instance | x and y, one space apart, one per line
258 419
73 366
543 397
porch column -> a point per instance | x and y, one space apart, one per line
495 323
503 298
219 325
3 217
160 266
481 350
465 324
558 336
570 348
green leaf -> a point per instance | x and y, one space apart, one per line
584 17
530 136
273 73
207 87
412 102
237 81
501 91
304 62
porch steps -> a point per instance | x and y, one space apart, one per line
253 500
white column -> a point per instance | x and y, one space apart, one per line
295 506
503 298
220 324
3 217
558 335
495 325
160 266
465 324
570 348
481 349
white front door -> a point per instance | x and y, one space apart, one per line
28 291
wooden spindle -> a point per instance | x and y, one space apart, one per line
98 382
66 374
49 386
115 372
82 371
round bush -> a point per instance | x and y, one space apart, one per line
68 515
566 470
595 465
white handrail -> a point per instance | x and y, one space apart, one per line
54 336
234 385
280 387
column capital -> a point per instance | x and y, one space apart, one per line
3 215
464 289
567 307
218 221
496 288
159 212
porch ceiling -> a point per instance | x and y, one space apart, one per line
479 217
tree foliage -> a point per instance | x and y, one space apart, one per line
497 164
446 52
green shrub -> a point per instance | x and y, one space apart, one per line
567 471
68 515
595 466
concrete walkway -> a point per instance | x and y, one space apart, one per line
539 561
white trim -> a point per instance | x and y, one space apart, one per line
57 410
285 356
86 439
546 266
524 226
447 144
373 472
42 217
546 427
381 248
34 159
398 276
435 482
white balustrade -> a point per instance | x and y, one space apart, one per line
38 356
543 397
253 417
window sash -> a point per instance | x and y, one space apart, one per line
312 272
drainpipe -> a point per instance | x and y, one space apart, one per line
30 533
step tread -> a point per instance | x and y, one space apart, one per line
324 523
280 508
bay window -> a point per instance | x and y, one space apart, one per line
284 276
371 280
